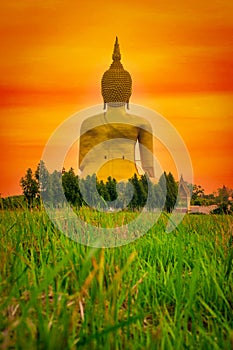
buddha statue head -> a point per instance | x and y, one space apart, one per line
116 83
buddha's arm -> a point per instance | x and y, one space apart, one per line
90 137
83 150
145 139
87 141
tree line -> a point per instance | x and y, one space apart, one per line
57 187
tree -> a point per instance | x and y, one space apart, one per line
224 204
30 187
102 190
123 196
88 189
44 182
169 186
198 194
159 197
223 195
71 187
172 192
140 192
111 188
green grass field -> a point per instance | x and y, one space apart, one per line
163 291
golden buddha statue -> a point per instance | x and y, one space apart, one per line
116 143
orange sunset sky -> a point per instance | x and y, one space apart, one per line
179 54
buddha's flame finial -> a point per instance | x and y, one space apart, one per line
116 56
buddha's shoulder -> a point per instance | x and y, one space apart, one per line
140 121
104 119
92 122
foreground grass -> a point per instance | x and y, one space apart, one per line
163 291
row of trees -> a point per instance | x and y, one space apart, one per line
57 187
41 186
